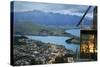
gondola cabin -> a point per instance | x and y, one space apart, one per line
88 47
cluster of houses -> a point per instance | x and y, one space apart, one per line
52 51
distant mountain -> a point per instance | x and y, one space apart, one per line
48 18
32 22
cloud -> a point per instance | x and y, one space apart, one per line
67 9
68 12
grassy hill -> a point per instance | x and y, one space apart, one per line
34 29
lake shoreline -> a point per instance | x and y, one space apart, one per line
60 40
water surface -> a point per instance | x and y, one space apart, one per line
59 40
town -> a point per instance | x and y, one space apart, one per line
29 52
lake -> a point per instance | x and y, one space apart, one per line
75 32
59 40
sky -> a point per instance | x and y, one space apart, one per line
66 9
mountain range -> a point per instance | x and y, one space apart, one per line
48 18
31 22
